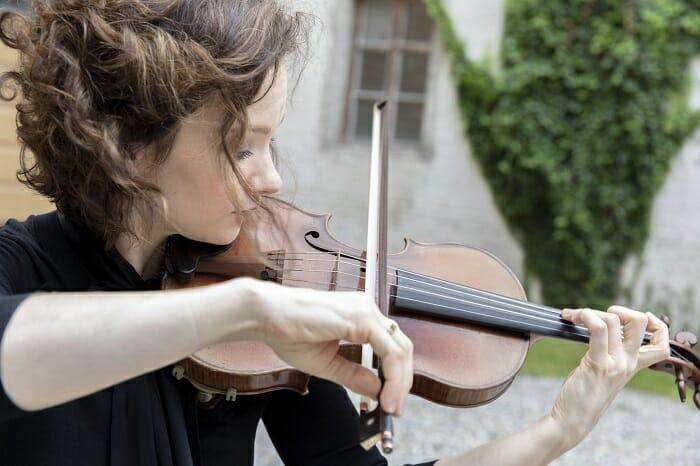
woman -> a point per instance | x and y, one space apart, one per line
148 118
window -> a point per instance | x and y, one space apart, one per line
390 61
14 4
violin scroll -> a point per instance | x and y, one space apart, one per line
686 338
684 363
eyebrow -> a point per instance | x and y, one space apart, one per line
260 129
266 129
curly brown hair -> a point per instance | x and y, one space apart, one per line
100 80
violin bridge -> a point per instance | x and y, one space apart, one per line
275 272
333 286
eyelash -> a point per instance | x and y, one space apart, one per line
242 155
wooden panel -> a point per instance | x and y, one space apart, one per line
16 201
9 163
8 126
8 57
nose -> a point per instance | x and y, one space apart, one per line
266 179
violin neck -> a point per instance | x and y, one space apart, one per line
440 299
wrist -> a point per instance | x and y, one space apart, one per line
231 310
558 436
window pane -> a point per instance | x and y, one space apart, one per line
418 24
414 68
373 71
408 121
378 19
363 120
15 4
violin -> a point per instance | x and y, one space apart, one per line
464 310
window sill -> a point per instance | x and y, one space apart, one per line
398 149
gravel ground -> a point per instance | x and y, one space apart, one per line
638 429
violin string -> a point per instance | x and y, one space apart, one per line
583 330
471 293
453 286
322 284
548 318
495 298
487 296
484 295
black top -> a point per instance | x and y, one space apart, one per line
153 419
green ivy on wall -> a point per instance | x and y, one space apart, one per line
576 133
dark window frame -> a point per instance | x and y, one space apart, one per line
18 5
395 47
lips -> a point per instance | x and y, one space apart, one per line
244 210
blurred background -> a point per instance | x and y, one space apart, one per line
559 135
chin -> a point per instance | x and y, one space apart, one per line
222 234
227 235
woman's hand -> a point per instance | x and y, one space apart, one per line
607 366
304 327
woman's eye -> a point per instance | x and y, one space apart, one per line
244 154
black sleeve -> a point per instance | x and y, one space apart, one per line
8 304
15 266
319 428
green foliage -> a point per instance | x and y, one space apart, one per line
576 134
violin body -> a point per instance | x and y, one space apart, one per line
455 363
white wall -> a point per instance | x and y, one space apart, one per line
666 277
436 197
442 196
667 274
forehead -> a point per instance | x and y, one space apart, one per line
269 105
267 109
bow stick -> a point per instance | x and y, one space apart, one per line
376 425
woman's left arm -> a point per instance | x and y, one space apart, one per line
605 369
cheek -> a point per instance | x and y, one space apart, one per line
214 193
198 203
198 177
206 215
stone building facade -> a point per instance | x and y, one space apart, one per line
437 192
361 49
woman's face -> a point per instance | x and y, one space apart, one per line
195 176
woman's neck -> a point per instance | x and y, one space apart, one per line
145 253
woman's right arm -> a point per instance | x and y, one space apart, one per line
58 347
